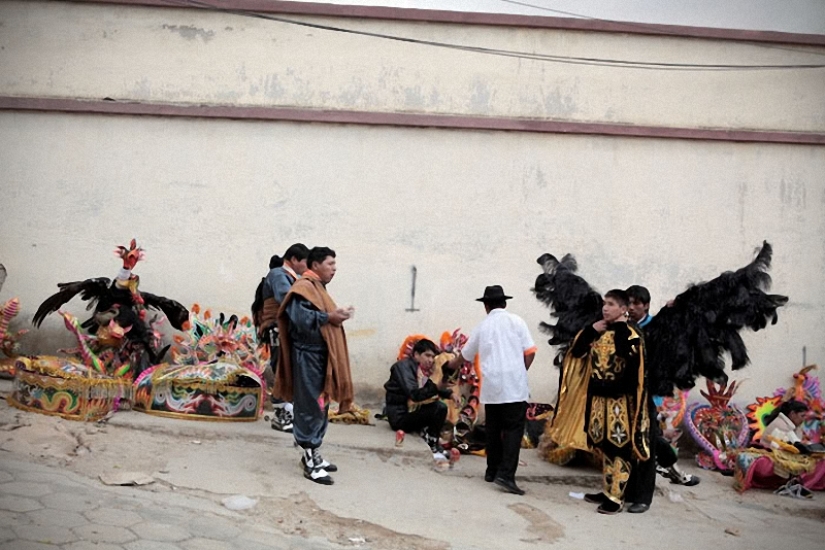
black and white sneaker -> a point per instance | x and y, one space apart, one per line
438 451
282 420
313 470
677 476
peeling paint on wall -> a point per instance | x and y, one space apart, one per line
190 32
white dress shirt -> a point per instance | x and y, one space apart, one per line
501 342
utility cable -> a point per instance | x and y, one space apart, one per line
572 60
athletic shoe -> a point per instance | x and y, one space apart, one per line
435 446
677 476
282 420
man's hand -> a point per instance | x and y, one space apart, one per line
455 362
600 326
338 316
445 393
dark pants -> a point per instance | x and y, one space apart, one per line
505 430
430 417
642 481
271 335
309 370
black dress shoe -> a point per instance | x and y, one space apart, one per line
638 508
595 498
509 486
489 477
609 507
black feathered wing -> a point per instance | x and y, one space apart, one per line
90 290
174 311
690 337
572 301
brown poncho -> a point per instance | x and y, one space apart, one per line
338 384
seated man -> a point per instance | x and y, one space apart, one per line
783 461
413 402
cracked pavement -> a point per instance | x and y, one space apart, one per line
384 498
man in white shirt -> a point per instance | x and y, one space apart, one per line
506 350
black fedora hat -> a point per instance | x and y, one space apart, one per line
494 294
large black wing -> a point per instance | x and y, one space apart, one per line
690 338
90 290
174 311
570 298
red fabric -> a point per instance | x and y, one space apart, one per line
761 476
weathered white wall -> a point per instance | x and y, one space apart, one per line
212 200
191 56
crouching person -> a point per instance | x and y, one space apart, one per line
413 402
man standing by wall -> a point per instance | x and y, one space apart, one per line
275 288
663 458
314 359
506 350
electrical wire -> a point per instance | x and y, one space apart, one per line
571 60
651 29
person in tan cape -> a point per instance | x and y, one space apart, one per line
314 360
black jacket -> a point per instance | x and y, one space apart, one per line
403 386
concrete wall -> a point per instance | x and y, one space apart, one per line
191 56
211 200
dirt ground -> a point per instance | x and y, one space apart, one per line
391 498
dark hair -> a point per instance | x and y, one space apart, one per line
424 345
318 254
619 295
275 261
298 251
638 293
785 408
495 304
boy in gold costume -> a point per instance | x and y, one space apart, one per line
608 357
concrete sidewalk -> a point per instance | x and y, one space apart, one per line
384 497
43 507
377 438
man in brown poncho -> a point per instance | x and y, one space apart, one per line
314 360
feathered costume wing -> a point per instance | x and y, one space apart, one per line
102 295
690 337
90 290
686 339
570 298
174 311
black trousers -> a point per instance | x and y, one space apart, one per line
642 481
430 417
505 430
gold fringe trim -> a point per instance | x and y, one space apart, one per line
186 416
208 387
93 387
